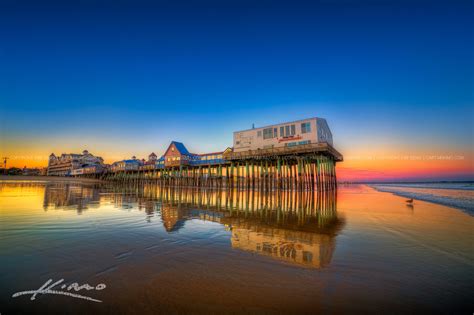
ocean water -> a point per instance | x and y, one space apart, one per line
177 251
456 195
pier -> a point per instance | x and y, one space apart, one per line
306 167
296 155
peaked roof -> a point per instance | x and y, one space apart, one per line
180 147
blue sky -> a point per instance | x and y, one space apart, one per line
133 75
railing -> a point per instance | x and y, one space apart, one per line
296 150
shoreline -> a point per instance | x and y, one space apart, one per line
48 178
425 197
444 201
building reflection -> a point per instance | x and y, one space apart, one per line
303 248
65 195
293 227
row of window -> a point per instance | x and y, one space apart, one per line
285 131
211 157
292 144
202 158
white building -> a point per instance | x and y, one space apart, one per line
64 164
311 130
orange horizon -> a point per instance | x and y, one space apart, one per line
350 170
372 161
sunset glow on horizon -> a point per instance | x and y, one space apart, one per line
358 166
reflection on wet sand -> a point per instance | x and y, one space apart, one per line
233 251
294 227
71 196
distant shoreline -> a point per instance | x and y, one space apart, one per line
428 194
49 178
408 182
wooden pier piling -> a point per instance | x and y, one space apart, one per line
310 167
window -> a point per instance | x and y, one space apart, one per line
305 127
259 133
267 133
287 131
275 132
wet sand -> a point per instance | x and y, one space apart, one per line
384 257
47 178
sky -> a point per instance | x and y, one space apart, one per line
394 79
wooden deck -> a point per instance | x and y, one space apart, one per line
302 167
305 149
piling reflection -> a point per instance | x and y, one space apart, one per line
71 196
297 227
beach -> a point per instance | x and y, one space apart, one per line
455 195
166 251
47 179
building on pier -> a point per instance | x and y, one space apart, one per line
150 164
175 156
178 155
289 134
65 164
213 158
295 155
132 164
152 157
88 170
